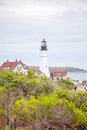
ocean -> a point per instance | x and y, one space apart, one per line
77 76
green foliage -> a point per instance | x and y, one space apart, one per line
80 117
7 128
47 102
83 107
20 106
70 105
34 82
63 93
31 73
46 88
26 109
44 78
2 90
29 99
6 77
66 84
79 98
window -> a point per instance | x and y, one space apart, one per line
19 68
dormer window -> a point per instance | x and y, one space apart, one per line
19 68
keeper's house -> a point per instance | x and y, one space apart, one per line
15 66
18 67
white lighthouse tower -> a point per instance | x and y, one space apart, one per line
44 59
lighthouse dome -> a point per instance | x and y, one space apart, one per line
43 45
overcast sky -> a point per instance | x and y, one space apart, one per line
63 23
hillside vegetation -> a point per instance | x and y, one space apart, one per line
67 69
31 102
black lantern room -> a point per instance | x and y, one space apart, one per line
43 45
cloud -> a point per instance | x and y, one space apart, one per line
28 10
23 24
41 8
25 8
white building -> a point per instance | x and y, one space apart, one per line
44 59
15 66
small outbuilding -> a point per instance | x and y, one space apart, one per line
58 74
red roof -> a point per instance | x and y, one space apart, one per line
38 71
24 65
11 65
59 73
0 68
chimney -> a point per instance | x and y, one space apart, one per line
7 60
20 61
16 60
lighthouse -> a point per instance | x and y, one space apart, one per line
44 58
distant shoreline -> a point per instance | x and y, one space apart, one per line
67 69
77 72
